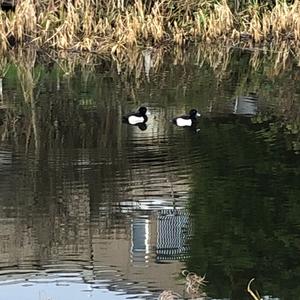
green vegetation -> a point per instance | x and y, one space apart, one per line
114 26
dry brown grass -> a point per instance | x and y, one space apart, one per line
169 295
193 287
280 23
194 284
116 26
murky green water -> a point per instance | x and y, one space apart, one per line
91 207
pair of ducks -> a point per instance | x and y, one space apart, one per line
140 117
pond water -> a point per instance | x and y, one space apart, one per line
94 208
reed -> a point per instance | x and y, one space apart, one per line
193 287
255 295
115 26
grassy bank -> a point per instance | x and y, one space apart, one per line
104 26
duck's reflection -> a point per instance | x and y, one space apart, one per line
142 126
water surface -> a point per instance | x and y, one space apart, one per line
91 207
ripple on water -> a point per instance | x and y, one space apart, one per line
64 274
54 286
112 219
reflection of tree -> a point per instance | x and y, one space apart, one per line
245 198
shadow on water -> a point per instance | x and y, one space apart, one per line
244 197
123 209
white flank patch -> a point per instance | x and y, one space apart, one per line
183 122
135 120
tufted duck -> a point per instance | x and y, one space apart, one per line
137 117
187 120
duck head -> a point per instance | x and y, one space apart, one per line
194 113
142 110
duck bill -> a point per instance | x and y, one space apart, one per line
198 115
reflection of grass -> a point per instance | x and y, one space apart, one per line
135 68
273 61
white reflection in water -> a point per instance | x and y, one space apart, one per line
140 241
57 291
64 286
245 105
172 232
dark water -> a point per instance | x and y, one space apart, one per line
91 207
